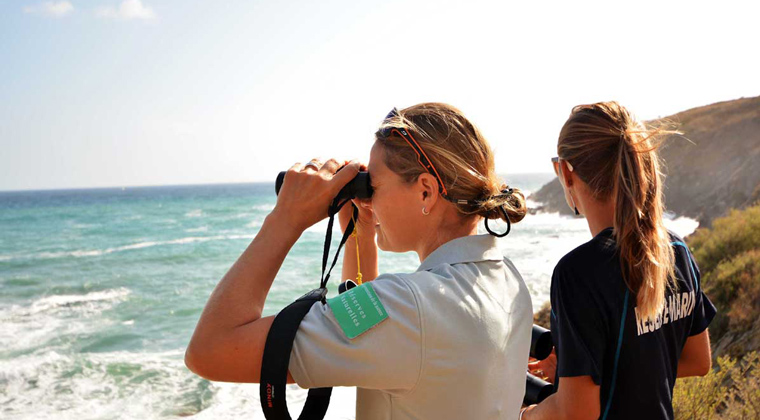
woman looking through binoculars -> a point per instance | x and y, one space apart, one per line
456 336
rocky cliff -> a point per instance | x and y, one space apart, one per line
713 167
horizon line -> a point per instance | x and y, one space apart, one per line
116 187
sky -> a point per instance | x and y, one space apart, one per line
165 92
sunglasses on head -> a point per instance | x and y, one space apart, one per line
558 167
421 156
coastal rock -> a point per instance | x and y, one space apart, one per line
713 167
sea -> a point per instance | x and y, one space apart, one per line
100 290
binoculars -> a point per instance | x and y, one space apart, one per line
359 187
536 389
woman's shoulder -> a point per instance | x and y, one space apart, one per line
395 287
590 266
598 250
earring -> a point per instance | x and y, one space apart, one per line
577 213
425 212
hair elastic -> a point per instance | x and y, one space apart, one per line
509 225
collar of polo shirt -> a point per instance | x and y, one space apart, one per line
466 249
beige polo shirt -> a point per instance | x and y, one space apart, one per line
454 346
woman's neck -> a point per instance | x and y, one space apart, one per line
599 214
440 236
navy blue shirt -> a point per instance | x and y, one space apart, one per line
597 331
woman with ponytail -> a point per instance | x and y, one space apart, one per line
628 313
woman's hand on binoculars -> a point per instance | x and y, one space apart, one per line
309 189
365 222
544 369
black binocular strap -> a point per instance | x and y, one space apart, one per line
333 210
274 373
282 333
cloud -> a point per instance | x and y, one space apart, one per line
51 8
128 9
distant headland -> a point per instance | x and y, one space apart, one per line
712 168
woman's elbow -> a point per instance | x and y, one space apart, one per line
696 367
196 362
704 367
191 360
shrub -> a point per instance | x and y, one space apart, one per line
729 237
729 258
730 392
734 287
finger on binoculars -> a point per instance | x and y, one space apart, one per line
331 166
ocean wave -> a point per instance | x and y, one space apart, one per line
56 301
264 207
52 317
254 224
132 385
198 229
139 245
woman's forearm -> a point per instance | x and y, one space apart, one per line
239 297
576 399
695 359
548 409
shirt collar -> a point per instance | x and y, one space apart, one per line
466 249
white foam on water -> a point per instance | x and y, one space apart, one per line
83 225
194 213
139 245
44 319
132 385
254 224
263 207
198 229
57 301
682 226
242 401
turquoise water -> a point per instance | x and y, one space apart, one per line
100 291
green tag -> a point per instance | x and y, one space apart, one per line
357 310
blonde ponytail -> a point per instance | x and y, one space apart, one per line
616 156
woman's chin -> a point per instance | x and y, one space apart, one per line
380 239
380 243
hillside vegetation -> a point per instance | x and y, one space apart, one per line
728 255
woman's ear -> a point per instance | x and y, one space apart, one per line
428 186
567 174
